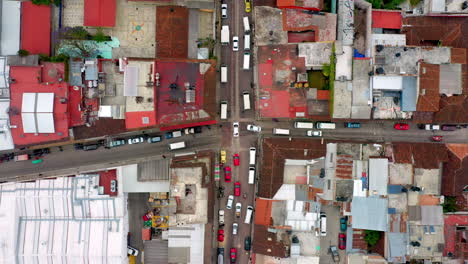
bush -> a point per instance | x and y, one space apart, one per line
450 204
23 53
414 2
99 36
46 2
371 237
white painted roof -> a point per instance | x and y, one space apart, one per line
387 83
131 80
37 113
45 103
11 27
29 103
378 176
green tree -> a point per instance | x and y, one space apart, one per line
450 204
99 36
23 53
326 70
371 237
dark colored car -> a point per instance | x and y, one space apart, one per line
168 135
352 125
233 255
247 244
78 146
341 241
90 147
198 129
343 224
449 127
154 139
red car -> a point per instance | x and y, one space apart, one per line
233 255
220 235
236 159
227 174
237 189
437 138
341 241
401 126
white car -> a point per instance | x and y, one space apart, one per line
254 128
238 209
224 11
221 216
136 140
132 251
230 201
235 43
235 127
234 228
314 133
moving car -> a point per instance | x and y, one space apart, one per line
352 125
154 139
248 6
247 243
221 216
343 224
254 128
223 156
237 189
312 133
224 11
235 127
341 241
401 126
234 228
227 174
233 255
220 235
136 140
437 138
131 251
238 209
235 43
229 202
236 159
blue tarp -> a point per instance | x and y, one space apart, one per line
394 189
358 55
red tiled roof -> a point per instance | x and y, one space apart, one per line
429 97
459 150
135 120
35 28
422 155
265 243
263 212
27 81
451 234
99 13
386 19
454 175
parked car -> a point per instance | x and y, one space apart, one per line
224 11
248 6
449 127
189 130
173 134
235 130
78 146
247 243
198 129
429 127
335 255
220 235
233 255
116 143
341 241
238 209
235 43
343 224
221 216
237 189
312 133
234 228
254 128
223 156
113 186
131 251
136 140
230 201
352 125
227 174
401 126
154 139
236 159
90 147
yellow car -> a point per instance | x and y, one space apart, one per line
248 6
223 156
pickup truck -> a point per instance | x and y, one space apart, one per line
335 255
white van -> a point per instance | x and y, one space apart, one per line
224 72
248 214
323 224
307 125
325 125
246 65
224 107
253 152
251 175
178 145
246 97
247 42
246 25
281 131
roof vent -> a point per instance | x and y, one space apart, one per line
423 92
269 239
380 70
379 48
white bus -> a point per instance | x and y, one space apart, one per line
224 107
246 25
307 125
177 145
247 42
253 153
248 214
325 125
281 131
251 175
246 65
225 35
246 97
224 73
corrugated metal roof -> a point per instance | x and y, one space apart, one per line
75 77
369 213
432 215
450 81
153 170
409 94
397 244
156 252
